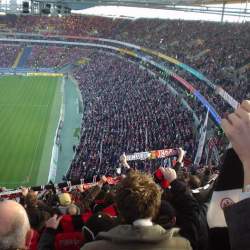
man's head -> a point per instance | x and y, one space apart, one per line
73 210
138 197
31 199
167 215
194 182
99 222
14 226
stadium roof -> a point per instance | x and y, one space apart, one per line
234 8
157 3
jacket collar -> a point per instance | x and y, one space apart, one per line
131 233
143 223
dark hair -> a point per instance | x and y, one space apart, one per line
97 223
31 199
194 181
138 197
166 214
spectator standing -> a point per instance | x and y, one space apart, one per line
14 227
138 201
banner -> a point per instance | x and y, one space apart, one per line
164 153
12 194
155 154
127 52
201 142
184 82
212 111
229 99
167 58
45 74
138 156
153 52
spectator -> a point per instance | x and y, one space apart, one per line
14 226
73 210
126 109
8 55
97 223
190 215
48 237
233 178
237 127
167 215
138 201
64 202
36 209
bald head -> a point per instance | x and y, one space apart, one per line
14 225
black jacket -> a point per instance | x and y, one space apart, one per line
190 215
231 177
47 239
237 218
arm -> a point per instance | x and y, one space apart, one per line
90 195
238 226
123 160
237 130
47 239
191 217
179 162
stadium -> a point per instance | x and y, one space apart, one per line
124 125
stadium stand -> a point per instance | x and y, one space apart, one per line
136 201
54 56
125 112
8 55
223 58
170 208
25 55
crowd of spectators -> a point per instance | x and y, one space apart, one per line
126 110
222 57
8 55
171 209
74 25
72 217
55 57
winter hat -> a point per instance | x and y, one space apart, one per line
64 199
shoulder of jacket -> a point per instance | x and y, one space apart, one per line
179 242
95 245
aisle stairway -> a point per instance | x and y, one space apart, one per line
18 58
24 57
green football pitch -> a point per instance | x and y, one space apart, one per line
29 114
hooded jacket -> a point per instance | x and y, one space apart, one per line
129 237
